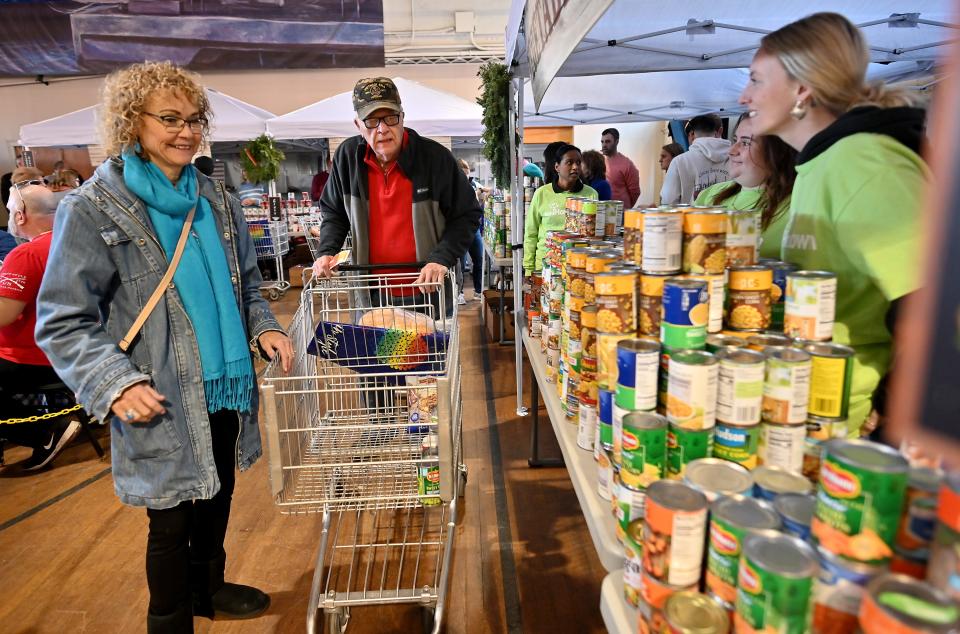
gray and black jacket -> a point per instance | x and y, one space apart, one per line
445 210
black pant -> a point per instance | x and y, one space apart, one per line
21 378
193 530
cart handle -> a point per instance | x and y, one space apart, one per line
375 267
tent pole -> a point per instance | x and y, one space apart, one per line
517 211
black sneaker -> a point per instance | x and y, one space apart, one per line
64 430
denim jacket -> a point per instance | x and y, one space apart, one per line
105 261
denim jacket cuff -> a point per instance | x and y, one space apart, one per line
99 398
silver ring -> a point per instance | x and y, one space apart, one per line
130 414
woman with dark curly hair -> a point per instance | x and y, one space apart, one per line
180 392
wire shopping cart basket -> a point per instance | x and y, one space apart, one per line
271 241
366 429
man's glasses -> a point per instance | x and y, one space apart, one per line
175 124
374 122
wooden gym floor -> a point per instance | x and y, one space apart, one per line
72 557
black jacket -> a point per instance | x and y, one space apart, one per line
445 210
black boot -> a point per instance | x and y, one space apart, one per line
179 621
212 596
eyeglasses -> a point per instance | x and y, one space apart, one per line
175 124
374 122
27 183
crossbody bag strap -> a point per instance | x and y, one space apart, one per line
162 286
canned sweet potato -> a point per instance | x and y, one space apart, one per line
748 298
786 386
810 305
704 242
743 237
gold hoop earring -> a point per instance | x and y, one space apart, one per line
799 110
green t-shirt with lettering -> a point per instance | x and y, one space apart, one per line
855 211
547 212
749 198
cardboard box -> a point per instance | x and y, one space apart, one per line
491 302
295 274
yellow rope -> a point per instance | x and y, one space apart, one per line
39 417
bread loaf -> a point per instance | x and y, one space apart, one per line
398 319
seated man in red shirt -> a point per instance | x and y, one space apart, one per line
23 366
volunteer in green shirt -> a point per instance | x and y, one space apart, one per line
547 210
763 172
855 205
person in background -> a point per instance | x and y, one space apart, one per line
55 174
22 176
204 165
475 251
547 210
7 244
669 152
403 195
320 178
24 366
66 180
6 182
763 169
595 174
703 165
550 161
532 170
622 174
856 204
181 401
250 194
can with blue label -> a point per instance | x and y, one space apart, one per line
779 290
638 362
769 482
686 311
605 405
737 443
796 511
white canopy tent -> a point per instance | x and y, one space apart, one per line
233 120
429 111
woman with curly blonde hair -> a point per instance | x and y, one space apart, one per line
855 203
179 394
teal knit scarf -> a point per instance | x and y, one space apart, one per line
202 280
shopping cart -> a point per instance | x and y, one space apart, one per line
311 231
271 241
359 431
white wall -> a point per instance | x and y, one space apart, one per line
641 142
277 91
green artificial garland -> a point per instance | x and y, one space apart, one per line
496 119
260 159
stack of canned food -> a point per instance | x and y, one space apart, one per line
496 224
706 385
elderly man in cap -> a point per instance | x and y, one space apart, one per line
403 195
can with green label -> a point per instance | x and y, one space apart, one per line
737 443
731 518
644 449
860 497
684 446
775 584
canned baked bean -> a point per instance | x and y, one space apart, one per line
748 298
704 241
859 498
617 300
786 386
673 533
662 241
643 450
692 389
633 236
918 521
690 612
778 290
638 363
686 311
839 591
796 511
775 584
715 343
716 290
763 340
896 604
651 303
769 482
715 478
782 446
731 518
740 386
684 446
831 372
743 237
810 305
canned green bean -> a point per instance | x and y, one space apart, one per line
775 584
859 499
644 450
684 446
